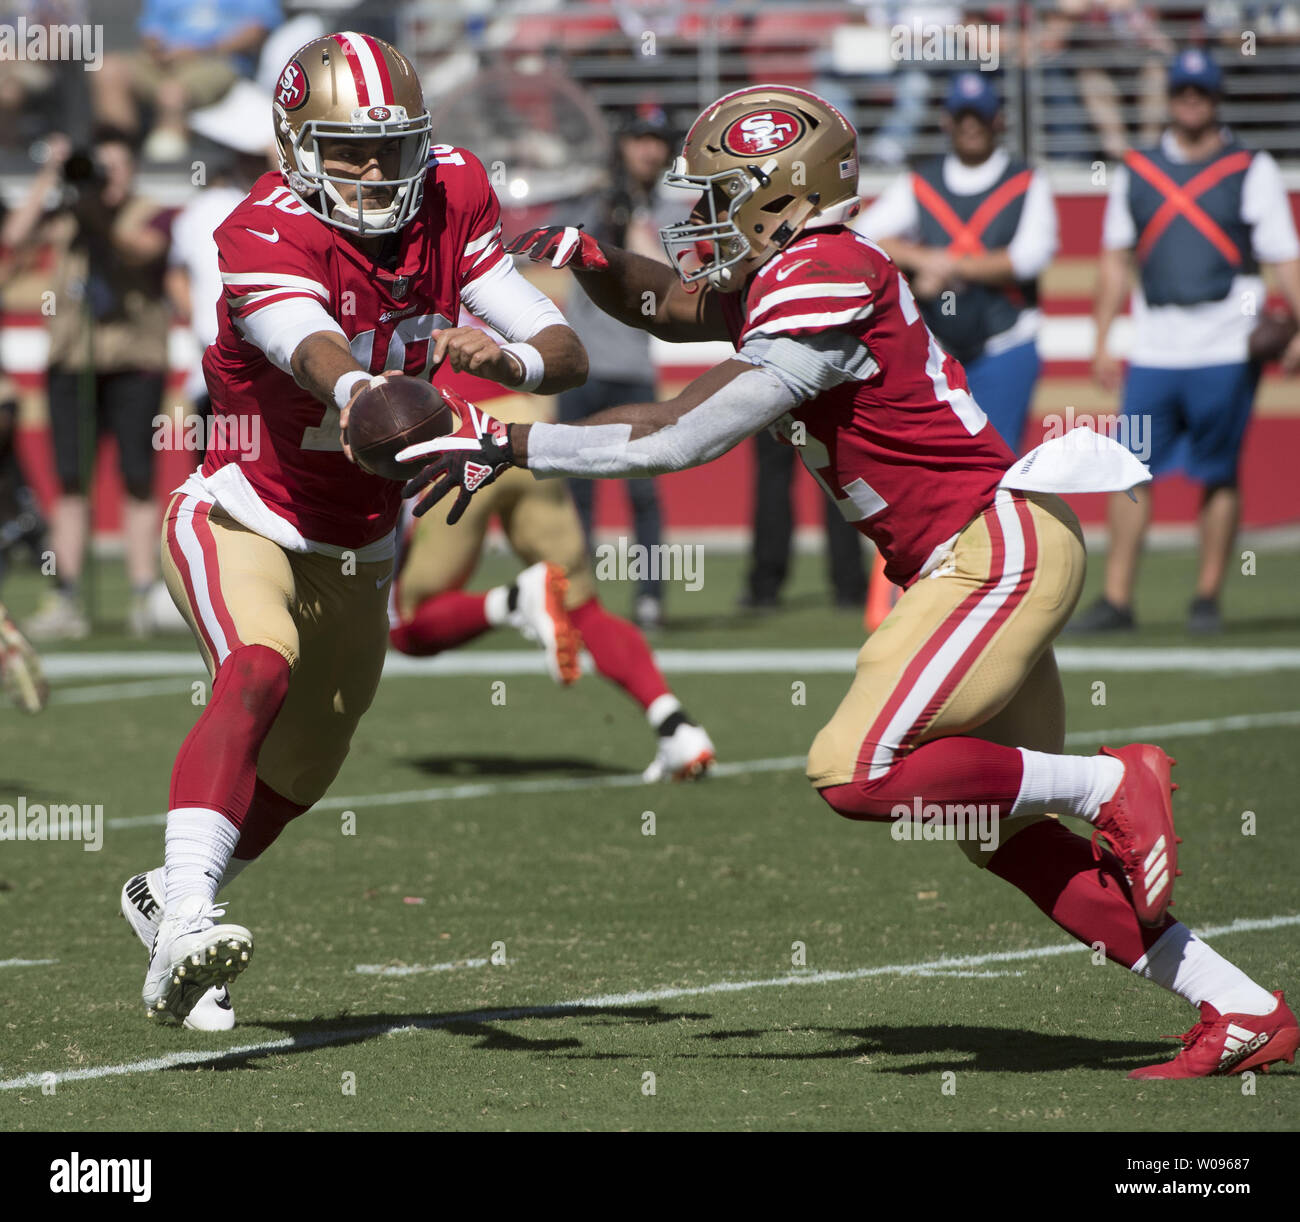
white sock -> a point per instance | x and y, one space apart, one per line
1066 784
662 708
496 606
234 869
199 846
1185 965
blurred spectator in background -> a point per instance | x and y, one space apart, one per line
107 354
239 132
191 52
41 95
21 524
629 213
1124 30
1198 213
973 230
867 53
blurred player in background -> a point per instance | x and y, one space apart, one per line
20 668
350 262
553 602
957 703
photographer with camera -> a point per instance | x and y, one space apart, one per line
107 355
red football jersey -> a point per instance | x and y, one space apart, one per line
906 452
271 249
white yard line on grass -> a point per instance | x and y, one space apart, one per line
26 962
577 1005
418 969
103 693
1227 660
730 768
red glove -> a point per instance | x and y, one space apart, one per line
563 245
468 459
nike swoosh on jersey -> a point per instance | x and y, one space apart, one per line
785 271
273 236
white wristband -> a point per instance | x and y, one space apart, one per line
344 386
533 365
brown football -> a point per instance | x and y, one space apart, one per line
391 415
1274 331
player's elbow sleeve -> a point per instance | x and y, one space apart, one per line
280 328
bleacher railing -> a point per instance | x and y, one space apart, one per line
1082 79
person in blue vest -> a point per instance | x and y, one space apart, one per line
1197 214
973 230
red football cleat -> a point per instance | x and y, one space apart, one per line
1222 1044
1139 824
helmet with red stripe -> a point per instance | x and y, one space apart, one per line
352 87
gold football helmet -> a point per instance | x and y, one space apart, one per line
776 160
352 87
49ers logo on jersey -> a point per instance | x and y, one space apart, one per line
475 474
764 131
292 90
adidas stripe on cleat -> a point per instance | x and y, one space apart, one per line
1138 823
1224 1044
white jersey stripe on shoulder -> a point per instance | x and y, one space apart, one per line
275 280
801 292
192 550
492 251
281 294
482 240
798 322
366 62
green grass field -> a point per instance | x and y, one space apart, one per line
928 996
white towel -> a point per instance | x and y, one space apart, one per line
1078 461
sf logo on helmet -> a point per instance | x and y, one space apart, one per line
762 132
292 91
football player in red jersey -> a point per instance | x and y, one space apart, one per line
956 702
350 262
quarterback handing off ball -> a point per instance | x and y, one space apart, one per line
391 414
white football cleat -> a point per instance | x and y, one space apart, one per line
540 615
143 897
684 755
192 953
